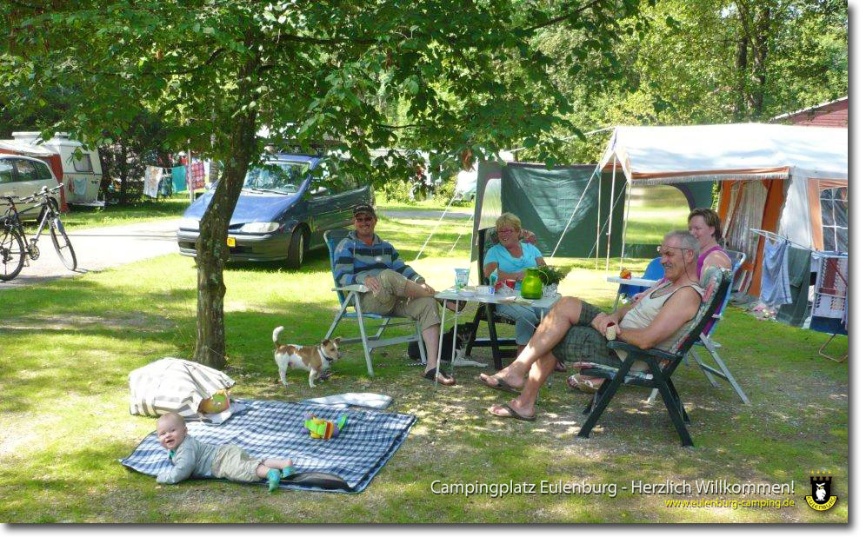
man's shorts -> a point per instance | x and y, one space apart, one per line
583 343
232 462
391 300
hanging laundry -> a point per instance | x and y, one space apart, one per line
775 280
152 175
178 178
196 175
831 288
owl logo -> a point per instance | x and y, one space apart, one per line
821 498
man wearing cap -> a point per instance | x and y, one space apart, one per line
394 287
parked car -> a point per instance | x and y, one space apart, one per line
22 176
283 211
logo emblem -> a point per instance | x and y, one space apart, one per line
821 498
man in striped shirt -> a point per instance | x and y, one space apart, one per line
394 287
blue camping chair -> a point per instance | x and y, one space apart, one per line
349 297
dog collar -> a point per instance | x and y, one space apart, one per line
324 356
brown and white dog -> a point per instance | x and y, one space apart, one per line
317 360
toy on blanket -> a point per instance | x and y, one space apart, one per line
324 429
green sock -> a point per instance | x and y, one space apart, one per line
287 471
273 479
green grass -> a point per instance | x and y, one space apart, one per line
68 346
113 215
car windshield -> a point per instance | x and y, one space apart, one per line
279 177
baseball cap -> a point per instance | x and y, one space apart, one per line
364 208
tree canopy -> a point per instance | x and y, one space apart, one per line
458 79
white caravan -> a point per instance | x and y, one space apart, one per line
82 173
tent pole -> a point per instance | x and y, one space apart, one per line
598 224
625 220
610 212
576 207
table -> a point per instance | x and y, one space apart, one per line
452 295
637 282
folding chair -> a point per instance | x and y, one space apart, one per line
662 364
349 296
485 239
654 271
706 341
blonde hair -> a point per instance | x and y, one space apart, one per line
508 219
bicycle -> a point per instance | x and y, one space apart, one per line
14 246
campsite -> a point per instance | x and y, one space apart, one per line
689 393
79 425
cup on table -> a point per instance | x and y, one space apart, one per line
461 278
483 290
511 284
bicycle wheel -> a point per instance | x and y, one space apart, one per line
12 252
62 244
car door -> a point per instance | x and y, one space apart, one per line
324 212
28 177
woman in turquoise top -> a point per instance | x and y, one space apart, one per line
509 259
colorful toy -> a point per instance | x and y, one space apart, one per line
324 429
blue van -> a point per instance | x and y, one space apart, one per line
283 211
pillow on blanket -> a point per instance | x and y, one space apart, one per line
174 385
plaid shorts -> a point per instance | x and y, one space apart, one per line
583 343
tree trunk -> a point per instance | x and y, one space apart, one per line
211 247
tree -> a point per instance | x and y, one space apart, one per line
451 77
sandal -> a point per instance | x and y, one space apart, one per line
583 384
444 378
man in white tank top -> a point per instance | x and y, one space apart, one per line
576 331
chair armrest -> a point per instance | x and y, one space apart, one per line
356 287
657 354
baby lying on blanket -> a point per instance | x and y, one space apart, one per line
191 458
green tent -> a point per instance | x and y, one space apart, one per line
559 204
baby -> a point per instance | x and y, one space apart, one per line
191 458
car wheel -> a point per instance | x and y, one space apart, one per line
297 247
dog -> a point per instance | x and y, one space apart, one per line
317 360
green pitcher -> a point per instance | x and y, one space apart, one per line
533 286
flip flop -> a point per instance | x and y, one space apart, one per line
582 384
511 413
500 384
431 376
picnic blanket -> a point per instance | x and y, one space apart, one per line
276 429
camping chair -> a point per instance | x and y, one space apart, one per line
349 296
654 271
485 239
662 364
706 342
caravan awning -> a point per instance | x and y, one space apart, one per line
744 151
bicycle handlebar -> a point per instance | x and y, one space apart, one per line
42 193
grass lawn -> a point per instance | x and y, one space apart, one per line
68 346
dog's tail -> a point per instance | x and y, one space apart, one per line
276 337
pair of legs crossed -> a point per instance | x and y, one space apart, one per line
404 298
566 333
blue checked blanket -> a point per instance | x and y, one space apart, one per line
276 429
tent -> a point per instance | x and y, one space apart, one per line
784 179
559 204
